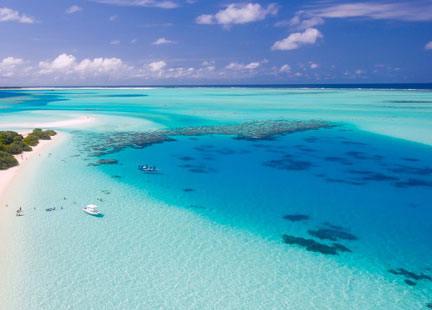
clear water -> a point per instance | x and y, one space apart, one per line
205 232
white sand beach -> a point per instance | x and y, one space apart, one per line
6 176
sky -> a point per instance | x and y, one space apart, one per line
199 42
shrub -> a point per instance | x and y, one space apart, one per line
31 140
7 137
41 134
7 161
17 147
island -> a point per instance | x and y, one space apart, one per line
13 143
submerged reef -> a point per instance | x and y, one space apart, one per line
314 246
253 131
296 217
287 163
413 183
107 161
331 234
410 283
410 275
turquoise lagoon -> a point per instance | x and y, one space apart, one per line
206 231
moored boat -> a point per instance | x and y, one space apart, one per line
92 210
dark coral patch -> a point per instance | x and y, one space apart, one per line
314 246
341 247
410 159
288 164
188 190
310 245
296 217
412 170
310 139
414 183
429 305
410 275
379 177
340 160
107 161
331 234
186 158
410 283
197 170
357 155
338 227
331 180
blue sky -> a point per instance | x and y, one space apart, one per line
143 42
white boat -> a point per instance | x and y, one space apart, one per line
92 210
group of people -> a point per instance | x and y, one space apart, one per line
52 209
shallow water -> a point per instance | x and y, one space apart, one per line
205 231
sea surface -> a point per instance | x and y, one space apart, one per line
329 218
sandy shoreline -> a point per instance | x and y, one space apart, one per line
6 176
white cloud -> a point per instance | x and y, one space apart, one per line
133 41
295 40
68 64
115 42
7 15
112 18
99 65
238 66
8 66
164 4
298 23
205 19
313 66
428 46
208 62
73 9
285 68
63 63
157 65
359 72
310 22
238 14
408 11
163 41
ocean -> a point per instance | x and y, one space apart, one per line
319 217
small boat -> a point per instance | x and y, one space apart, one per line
92 210
147 168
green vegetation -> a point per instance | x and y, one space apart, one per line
12 143
7 160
